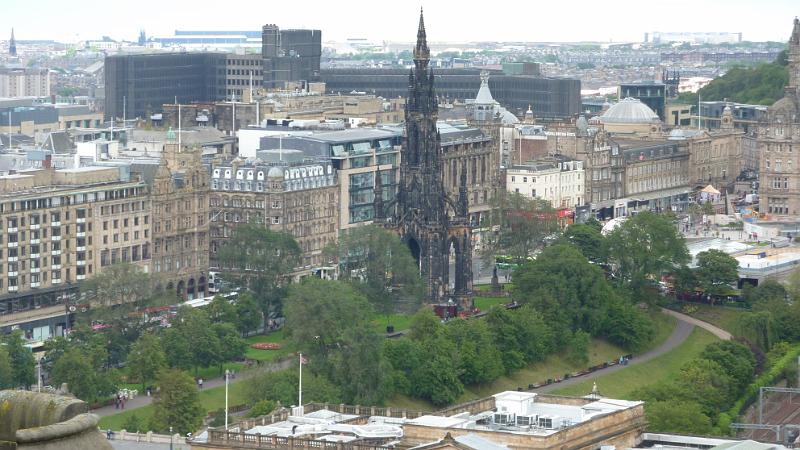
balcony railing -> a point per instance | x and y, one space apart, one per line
80 277
35 226
55 223
13 288
55 238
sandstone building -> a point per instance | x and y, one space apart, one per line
302 200
779 143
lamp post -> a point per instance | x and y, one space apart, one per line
227 376
170 438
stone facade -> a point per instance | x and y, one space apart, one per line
717 157
779 143
422 209
302 200
180 221
561 183
59 227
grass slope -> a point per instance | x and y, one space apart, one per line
210 400
623 383
554 366
722 316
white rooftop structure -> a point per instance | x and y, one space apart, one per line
328 425
519 412
629 110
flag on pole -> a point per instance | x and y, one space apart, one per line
303 360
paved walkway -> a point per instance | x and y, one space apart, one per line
716 331
681 332
144 400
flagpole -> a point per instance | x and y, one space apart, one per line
300 385
227 375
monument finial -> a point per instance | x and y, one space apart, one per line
421 52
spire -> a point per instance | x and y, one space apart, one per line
12 45
463 202
421 52
795 39
378 200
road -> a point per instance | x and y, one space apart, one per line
681 332
144 400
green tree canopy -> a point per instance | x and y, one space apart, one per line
677 416
146 359
176 403
588 239
646 244
716 271
519 226
259 260
21 358
121 284
381 267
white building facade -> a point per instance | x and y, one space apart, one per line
561 183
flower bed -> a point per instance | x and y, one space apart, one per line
266 346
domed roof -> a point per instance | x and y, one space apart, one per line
275 172
612 224
629 110
507 117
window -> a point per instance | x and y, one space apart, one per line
276 220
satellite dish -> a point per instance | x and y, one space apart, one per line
72 308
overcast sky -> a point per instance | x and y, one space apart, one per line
376 20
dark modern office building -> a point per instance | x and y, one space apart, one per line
145 82
290 55
549 97
652 94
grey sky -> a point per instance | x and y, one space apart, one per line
447 20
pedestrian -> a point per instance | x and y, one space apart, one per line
116 401
200 383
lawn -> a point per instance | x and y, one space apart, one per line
210 399
401 322
486 303
623 383
722 316
269 355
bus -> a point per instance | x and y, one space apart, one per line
505 262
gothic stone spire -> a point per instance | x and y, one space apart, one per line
12 45
421 52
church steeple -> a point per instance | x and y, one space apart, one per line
421 52
12 45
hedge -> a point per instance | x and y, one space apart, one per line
767 378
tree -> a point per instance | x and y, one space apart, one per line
133 424
75 369
677 416
281 386
262 408
191 342
381 267
6 371
247 317
736 359
757 328
588 240
121 284
222 310
176 403
646 244
146 359
318 315
716 271
231 344
479 360
260 260
21 358
521 223
708 383
578 347
437 379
